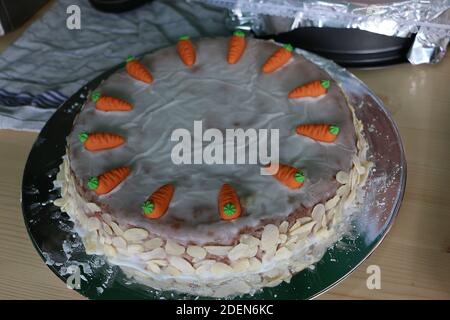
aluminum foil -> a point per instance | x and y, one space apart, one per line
429 19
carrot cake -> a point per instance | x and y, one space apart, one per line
204 227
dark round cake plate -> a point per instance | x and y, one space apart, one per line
61 248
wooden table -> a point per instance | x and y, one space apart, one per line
415 256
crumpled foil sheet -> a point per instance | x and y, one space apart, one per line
429 19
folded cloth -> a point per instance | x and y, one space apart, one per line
50 62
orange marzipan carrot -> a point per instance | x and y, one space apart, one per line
319 132
108 180
106 103
291 177
158 203
311 89
100 140
186 50
236 47
138 71
229 204
278 59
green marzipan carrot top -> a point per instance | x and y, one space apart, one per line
299 176
288 47
239 33
95 96
325 83
148 207
92 183
334 129
229 209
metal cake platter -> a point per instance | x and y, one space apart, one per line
61 248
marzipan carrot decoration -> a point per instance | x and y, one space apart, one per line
106 103
100 140
278 59
312 89
229 204
158 203
236 47
291 177
138 71
319 132
186 50
108 180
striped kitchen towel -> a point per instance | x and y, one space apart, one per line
50 62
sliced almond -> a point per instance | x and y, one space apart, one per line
90 243
359 168
160 262
174 248
343 191
218 250
119 242
153 243
316 227
116 229
249 240
157 253
181 264
203 269
153 267
207 262
269 238
353 177
107 229
93 224
267 256
135 248
238 251
241 265
292 238
304 220
106 217
282 239
283 227
282 254
318 213
296 225
220 269
173 271
60 202
196 252
324 221
304 229
135 234
330 204
342 177
255 264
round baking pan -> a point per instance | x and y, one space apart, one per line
61 248
348 47
116 6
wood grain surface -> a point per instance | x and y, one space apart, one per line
415 256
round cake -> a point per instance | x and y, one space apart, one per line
175 219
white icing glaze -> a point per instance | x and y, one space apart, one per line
223 96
